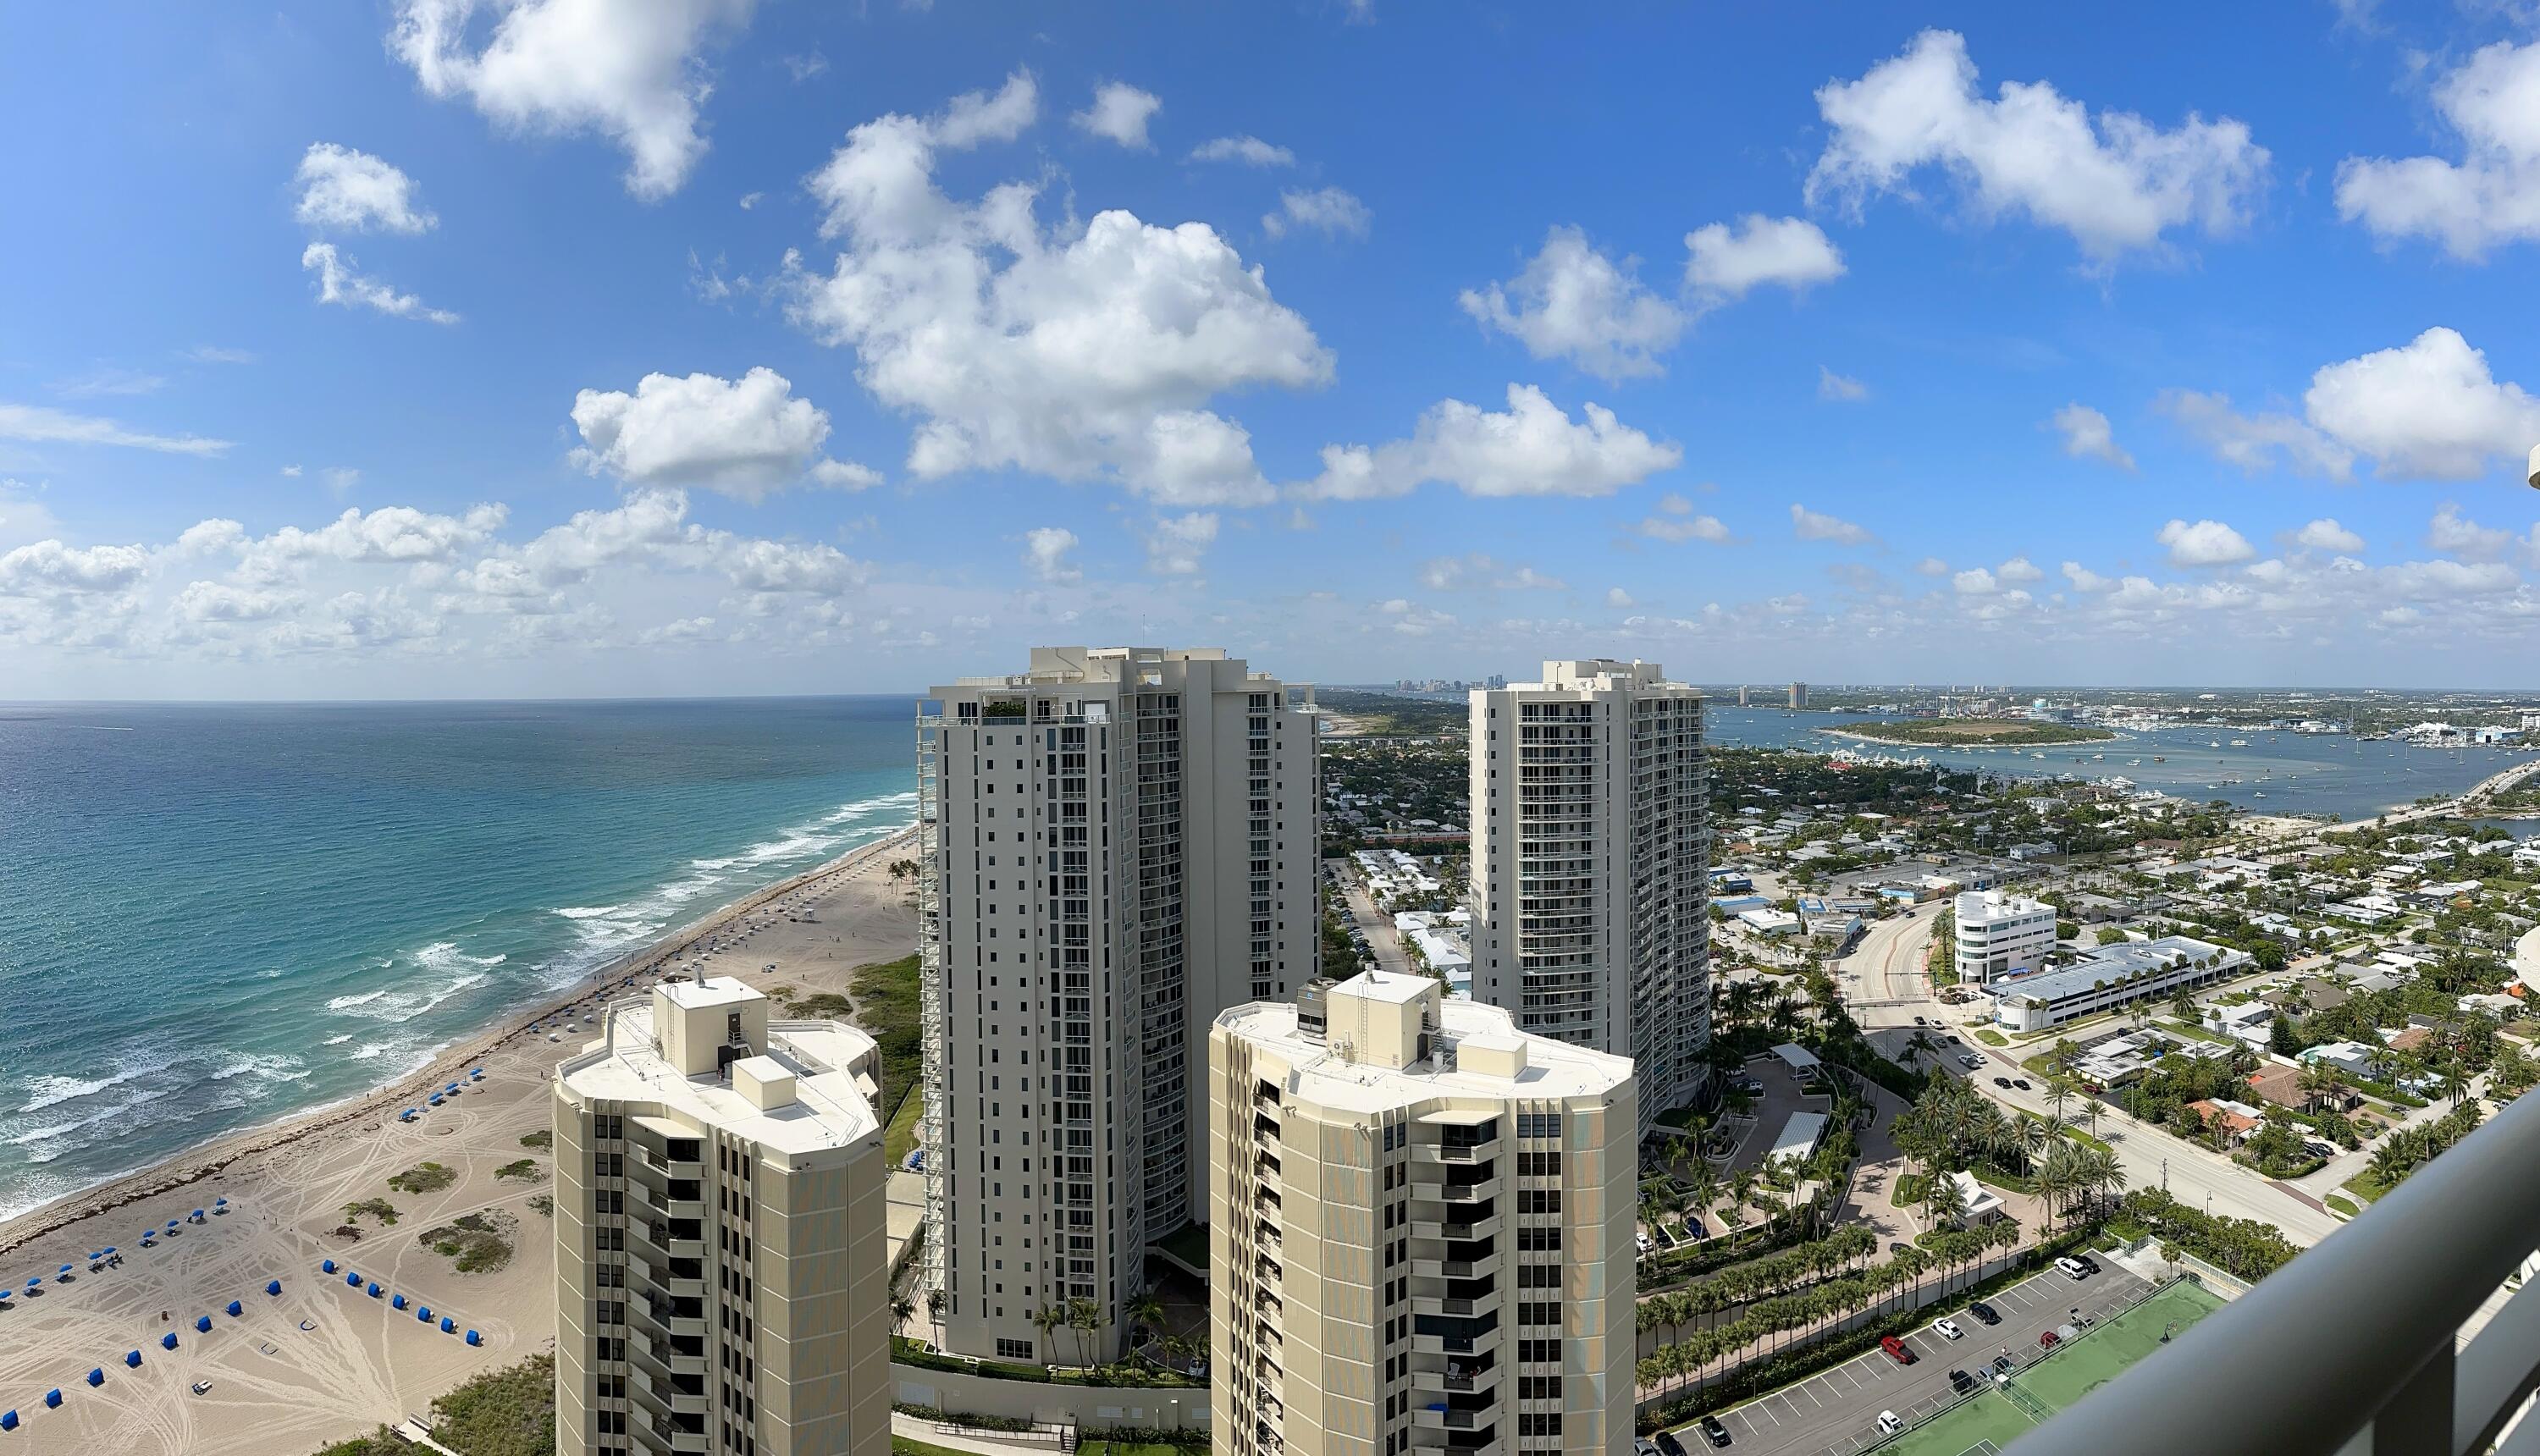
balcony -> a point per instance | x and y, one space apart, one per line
2350 1348
1487 1226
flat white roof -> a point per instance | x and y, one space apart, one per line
1377 986
1798 1058
714 991
1798 1137
832 1109
1553 1068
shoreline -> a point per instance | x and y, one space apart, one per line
448 1063
1970 748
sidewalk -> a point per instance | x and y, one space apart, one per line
916 1430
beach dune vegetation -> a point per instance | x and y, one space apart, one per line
427 1177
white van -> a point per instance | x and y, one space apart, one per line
2073 1267
1888 1424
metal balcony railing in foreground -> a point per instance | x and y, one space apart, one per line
2350 1348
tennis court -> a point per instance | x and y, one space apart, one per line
1993 1420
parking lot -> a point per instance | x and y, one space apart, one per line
1835 1407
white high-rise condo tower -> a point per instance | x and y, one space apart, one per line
1420 1230
1590 846
1116 845
722 1281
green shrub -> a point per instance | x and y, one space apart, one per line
375 1208
424 1178
523 1168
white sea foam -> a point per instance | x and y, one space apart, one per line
587 912
52 1090
272 1067
351 1003
338 1039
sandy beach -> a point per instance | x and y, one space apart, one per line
322 1361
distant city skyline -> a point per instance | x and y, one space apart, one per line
435 350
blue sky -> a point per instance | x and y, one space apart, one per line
430 348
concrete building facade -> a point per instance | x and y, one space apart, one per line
1117 844
1419 1236
1999 934
1589 867
721 1278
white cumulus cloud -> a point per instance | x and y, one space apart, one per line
354 191
2255 443
1816 525
1533 449
39 425
338 282
1839 388
2204 544
1120 114
1252 150
2492 195
1080 353
1723 263
2325 534
1046 551
1326 210
2428 409
630 70
1176 543
1572 302
2088 435
744 437
2117 184
1677 522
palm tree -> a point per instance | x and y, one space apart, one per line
935 1305
1047 1319
1146 1312
1088 1319
902 1310
1946 1201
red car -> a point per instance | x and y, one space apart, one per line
2049 1339
1896 1350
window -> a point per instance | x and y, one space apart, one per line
1538 1387
1013 1349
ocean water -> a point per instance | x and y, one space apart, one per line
215 916
2278 772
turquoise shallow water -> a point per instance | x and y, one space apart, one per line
214 916
2278 772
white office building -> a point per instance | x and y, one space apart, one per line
1419 1236
2113 976
721 1279
2001 933
1118 844
1589 867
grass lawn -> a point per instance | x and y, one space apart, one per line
2183 1029
2340 1204
2087 1141
1907 1189
2366 1187
1991 1037
901 1445
902 1136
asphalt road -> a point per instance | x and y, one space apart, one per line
1835 1406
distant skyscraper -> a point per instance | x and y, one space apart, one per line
1590 842
1798 695
1742 695
1420 1232
1118 844
721 1279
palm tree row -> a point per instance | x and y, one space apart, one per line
1690 1356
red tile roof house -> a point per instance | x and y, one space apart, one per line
2283 1086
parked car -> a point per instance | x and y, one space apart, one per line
2073 1267
1888 1424
1644 1447
1960 1381
1669 1445
1970 1061
1713 1431
1984 1312
1952 1038
1948 1328
2020 1082
2002 1082
2001 1365
2089 1264
1919 1022
2048 1338
1896 1348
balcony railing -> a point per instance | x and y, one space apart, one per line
2350 1348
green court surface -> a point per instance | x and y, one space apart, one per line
1992 1421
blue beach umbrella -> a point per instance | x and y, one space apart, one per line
397 1302
54 1397
423 1312
202 1325
326 1266
475 1339
273 1287
132 1358
375 1289
234 1310
447 1323
168 1341
65 1269
352 1280
7 1421
97 1378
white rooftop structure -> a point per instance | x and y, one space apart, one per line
1799 1138
792 1097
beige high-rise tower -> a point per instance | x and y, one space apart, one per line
1420 1237
722 1283
1118 844
1589 868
